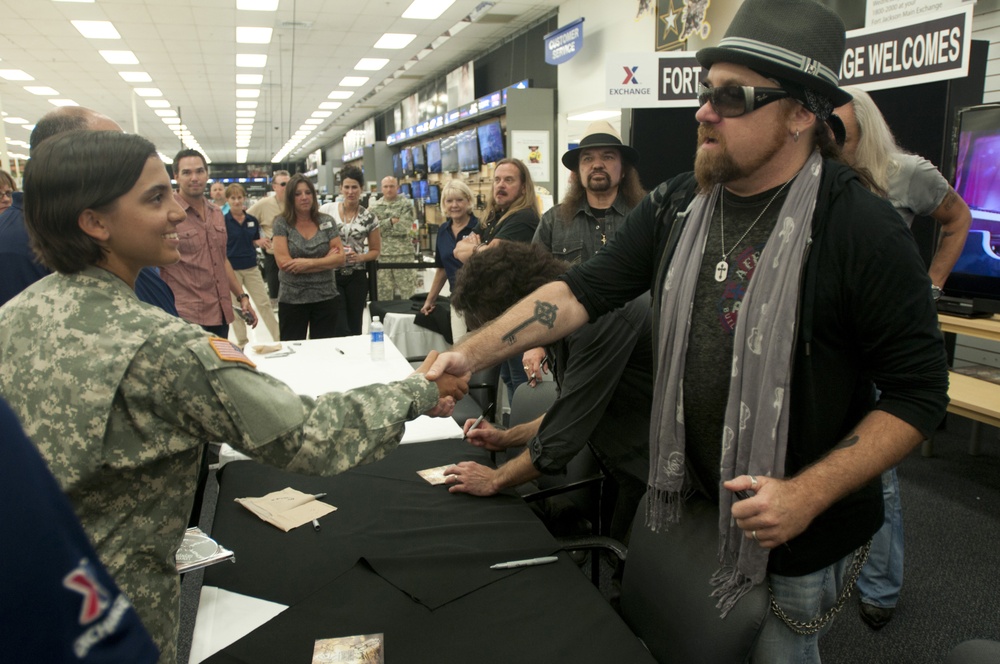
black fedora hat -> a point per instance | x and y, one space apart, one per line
799 41
599 134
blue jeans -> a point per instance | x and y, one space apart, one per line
512 374
802 598
882 577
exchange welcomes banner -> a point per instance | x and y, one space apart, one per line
645 80
929 49
932 48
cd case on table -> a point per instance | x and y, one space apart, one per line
199 550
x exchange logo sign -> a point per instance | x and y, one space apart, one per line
630 75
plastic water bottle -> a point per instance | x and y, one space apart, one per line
378 339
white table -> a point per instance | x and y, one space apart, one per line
411 339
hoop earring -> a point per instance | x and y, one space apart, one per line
796 137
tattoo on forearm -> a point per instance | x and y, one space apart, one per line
847 442
545 313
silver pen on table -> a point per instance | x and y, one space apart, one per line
315 522
529 562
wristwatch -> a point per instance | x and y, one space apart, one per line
244 295
935 292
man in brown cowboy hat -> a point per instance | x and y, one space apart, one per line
604 187
778 280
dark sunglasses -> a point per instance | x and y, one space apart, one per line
732 101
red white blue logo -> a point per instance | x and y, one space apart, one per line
630 75
96 599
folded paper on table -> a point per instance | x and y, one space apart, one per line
288 508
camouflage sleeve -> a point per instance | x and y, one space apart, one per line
211 397
407 214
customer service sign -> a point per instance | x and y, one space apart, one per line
931 47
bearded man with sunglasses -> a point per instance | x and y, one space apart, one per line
783 292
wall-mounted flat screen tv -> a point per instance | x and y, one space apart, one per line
976 275
449 154
419 160
397 166
434 157
433 194
491 147
405 190
468 151
406 160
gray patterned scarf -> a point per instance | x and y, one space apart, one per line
755 431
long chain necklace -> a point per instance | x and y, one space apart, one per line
722 267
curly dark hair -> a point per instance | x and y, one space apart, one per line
494 279
353 173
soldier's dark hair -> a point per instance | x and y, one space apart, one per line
494 279
72 172
188 153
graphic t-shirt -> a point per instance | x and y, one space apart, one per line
713 323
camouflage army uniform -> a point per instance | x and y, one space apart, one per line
119 397
397 247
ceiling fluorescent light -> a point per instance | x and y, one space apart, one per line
119 57
148 92
11 120
331 105
340 94
248 93
258 60
42 90
322 114
371 64
244 121
96 29
242 103
245 35
427 9
249 79
166 113
136 76
63 102
394 40
157 103
15 75
314 121
353 81
85 1
246 114
241 155
257 5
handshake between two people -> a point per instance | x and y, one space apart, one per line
451 378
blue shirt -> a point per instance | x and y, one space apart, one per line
53 571
19 268
239 241
444 254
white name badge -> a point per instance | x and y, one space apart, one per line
251 225
325 225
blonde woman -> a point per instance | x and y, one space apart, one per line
456 204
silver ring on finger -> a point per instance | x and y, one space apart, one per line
753 482
753 534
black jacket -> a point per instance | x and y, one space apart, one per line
866 318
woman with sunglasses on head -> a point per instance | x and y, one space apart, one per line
308 249
120 398
358 227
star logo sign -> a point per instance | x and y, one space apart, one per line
669 20
630 75
95 598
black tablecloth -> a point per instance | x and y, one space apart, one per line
411 560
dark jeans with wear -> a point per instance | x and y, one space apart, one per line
353 289
319 319
217 330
